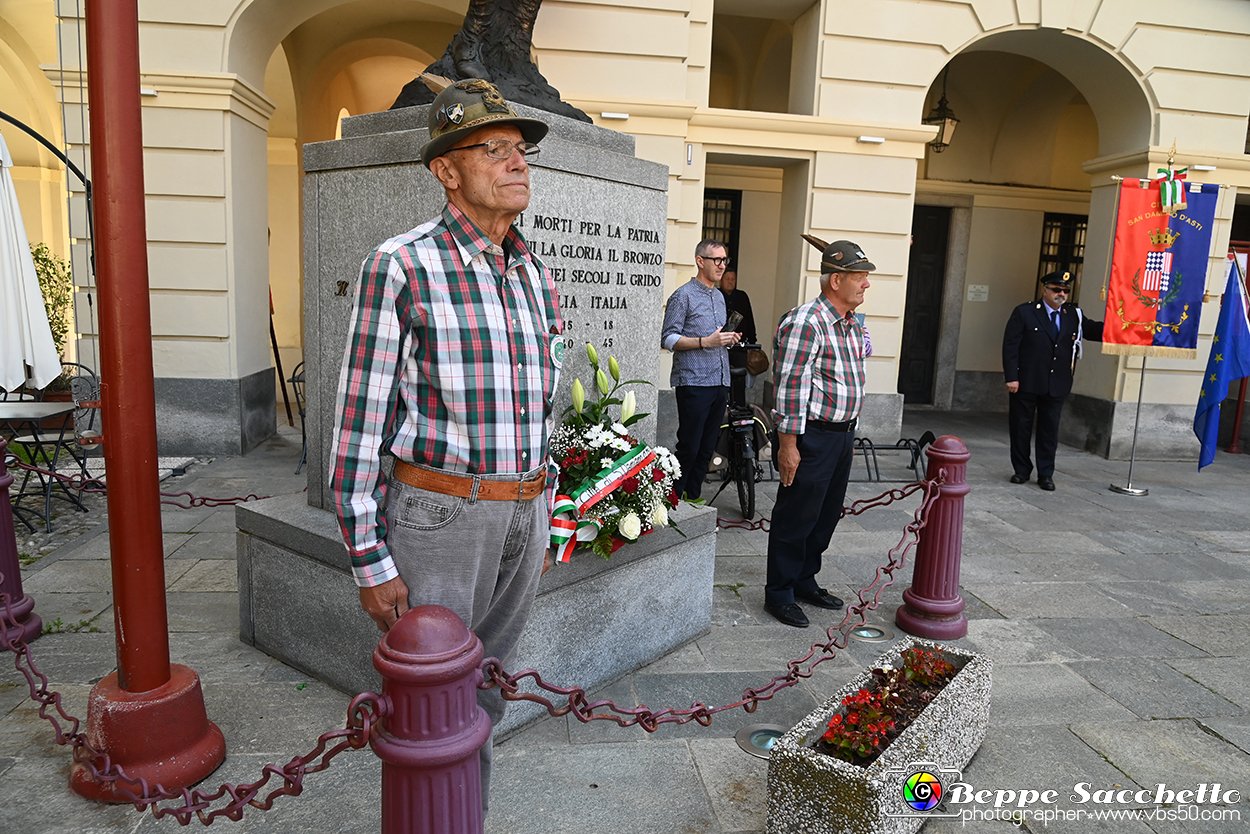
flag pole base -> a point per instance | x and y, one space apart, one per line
1129 490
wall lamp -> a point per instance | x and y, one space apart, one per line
943 118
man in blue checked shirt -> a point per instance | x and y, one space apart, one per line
693 323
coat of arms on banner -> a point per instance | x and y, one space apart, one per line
1158 271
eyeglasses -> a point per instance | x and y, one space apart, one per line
501 148
717 261
1058 290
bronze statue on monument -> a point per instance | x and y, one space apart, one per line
494 43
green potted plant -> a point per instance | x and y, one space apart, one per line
56 282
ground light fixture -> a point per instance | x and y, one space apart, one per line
943 118
758 739
872 633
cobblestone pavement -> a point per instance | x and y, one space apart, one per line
1117 627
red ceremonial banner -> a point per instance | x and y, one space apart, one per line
1158 271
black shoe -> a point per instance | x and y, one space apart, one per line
821 599
1019 479
1046 483
790 614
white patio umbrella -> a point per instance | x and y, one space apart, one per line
25 337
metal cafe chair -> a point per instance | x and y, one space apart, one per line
44 447
297 385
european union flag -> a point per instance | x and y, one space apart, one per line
1230 360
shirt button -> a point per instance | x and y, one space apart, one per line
525 454
523 411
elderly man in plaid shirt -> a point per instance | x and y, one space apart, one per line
820 352
451 363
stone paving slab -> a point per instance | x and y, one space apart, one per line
1228 677
209 575
1170 566
737 783
1033 694
1152 689
1156 598
1110 637
647 788
1222 635
1016 641
1067 600
1178 754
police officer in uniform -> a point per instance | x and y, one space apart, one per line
1041 344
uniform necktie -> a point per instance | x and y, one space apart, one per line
1054 323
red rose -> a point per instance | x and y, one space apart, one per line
657 474
672 498
630 485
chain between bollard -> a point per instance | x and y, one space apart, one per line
369 708
363 716
494 675
86 483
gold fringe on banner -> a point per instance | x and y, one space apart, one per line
1150 350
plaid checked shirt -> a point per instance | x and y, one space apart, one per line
448 365
819 360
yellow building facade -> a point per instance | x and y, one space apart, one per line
808 115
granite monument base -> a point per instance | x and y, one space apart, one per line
594 620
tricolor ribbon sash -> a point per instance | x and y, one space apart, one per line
1172 189
567 525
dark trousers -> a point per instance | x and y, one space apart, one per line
700 412
806 513
1024 411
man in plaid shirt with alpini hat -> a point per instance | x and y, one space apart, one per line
819 362
451 364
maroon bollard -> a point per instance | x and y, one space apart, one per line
431 779
20 606
932 606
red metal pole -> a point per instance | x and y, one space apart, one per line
148 716
431 779
19 617
1235 446
932 606
128 399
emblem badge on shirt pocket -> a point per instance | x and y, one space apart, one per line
557 350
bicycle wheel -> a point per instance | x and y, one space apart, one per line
745 476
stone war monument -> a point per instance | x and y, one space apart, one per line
597 218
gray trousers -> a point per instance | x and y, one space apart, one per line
481 559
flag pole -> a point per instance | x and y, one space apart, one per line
1129 489
1234 447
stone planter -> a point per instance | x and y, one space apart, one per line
812 793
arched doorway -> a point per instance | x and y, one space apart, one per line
1035 108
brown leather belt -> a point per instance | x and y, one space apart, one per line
461 486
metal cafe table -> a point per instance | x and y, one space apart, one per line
43 447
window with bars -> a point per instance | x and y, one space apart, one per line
1063 245
722 215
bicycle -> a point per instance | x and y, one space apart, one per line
739 442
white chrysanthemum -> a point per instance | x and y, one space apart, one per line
619 429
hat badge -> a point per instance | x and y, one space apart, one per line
455 113
837 256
